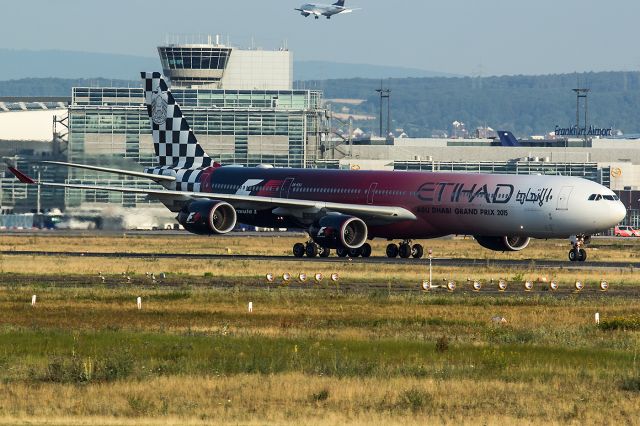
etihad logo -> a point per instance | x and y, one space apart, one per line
502 193
459 192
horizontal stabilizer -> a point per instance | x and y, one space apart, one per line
21 176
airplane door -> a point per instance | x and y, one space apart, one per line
286 186
563 198
371 193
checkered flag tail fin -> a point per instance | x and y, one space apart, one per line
174 142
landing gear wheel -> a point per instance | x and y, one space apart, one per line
311 249
325 252
355 252
417 251
342 252
365 250
298 250
573 255
582 255
392 251
405 251
578 253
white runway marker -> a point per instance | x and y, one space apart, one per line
139 302
33 300
250 307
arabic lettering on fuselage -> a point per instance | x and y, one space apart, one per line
502 193
539 196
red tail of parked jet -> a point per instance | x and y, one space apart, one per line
343 210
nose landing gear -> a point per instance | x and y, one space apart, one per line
577 253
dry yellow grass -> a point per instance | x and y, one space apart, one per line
289 399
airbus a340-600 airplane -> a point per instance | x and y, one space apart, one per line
327 10
343 209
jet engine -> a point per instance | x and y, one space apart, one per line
208 217
339 231
503 243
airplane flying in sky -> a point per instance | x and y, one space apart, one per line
326 10
343 209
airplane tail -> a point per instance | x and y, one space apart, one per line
339 3
175 144
507 138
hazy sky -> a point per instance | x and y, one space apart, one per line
488 37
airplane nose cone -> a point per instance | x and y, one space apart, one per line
619 212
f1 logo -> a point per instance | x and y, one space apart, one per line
193 217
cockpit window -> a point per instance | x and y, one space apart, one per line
598 197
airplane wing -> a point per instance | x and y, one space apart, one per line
157 178
307 12
380 213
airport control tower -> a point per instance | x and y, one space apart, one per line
213 65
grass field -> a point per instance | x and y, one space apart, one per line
84 354
621 249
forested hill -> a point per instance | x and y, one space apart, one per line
527 104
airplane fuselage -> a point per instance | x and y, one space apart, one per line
443 203
322 9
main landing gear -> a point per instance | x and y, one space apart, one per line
311 249
577 253
405 250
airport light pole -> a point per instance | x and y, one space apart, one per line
582 93
430 270
385 94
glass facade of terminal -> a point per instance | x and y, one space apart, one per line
110 127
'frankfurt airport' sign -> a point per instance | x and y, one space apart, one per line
583 131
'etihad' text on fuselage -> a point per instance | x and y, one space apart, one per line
457 192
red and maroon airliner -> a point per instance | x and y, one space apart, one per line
343 210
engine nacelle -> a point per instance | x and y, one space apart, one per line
503 243
208 217
339 231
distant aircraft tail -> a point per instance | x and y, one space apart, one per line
507 138
339 3
175 144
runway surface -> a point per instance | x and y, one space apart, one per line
462 262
